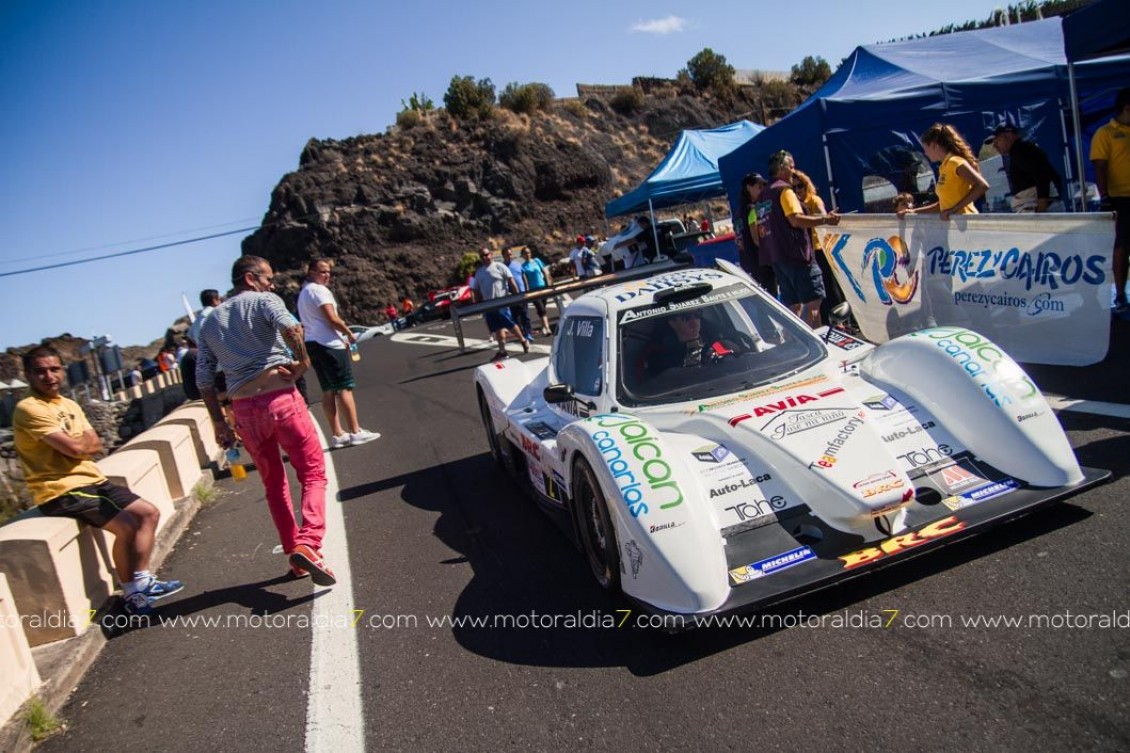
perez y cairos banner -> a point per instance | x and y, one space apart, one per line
1037 285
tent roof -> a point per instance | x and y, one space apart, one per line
689 172
888 71
1099 29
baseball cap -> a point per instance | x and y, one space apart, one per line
1002 128
752 178
589 239
580 239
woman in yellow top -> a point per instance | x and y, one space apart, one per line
805 190
960 182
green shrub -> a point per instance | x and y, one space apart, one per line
409 118
627 101
812 71
466 98
467 265
710 72
526 98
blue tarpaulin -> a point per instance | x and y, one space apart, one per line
688 173
864 122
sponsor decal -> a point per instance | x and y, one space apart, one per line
666 282
797 421
783 561
552 486
983 362
897 544
581 327
758 508
531 448
635 557
711 453
745 397
960 475
910 431
784 404
744 483
889 261
836 443
734 291
843 341
1027 416
649 480
982 493
1045 269
662 527
877 484
926 455
880 402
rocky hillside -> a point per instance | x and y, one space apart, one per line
397 211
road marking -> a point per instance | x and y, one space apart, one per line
1070 404
470 343
334 714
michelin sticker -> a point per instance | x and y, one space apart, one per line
784 561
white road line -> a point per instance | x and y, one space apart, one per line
334 715
1115 410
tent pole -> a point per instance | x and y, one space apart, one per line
828 168
1068 172
1078 137
654 228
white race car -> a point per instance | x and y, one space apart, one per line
711 453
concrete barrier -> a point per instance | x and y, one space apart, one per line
20 679
177 452
141 472
56 574
194 415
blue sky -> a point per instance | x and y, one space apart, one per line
128 124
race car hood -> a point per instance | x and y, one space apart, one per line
811 441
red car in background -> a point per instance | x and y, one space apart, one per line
438 305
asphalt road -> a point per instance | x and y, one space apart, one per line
435 532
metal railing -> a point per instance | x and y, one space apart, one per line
556 291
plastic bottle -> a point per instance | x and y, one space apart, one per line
353 352
238 472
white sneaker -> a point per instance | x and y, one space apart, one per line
342 440
363 435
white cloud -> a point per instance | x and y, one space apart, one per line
669 25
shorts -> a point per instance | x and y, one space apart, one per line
1121 206
96 504
498 319
799 284
540 306
332 365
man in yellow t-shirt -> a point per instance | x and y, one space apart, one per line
56 445
1110 154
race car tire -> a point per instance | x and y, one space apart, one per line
598 537
492 436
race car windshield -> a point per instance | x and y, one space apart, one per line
726 341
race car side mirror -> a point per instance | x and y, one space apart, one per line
558 393
837 316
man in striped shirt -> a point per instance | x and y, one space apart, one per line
259 345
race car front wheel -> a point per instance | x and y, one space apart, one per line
598 537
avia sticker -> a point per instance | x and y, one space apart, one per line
783 561
789 401
897 544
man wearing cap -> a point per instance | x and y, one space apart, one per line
493 280
1030 173
1110 154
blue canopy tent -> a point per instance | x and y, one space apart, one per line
1096 30
864 122
688 173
